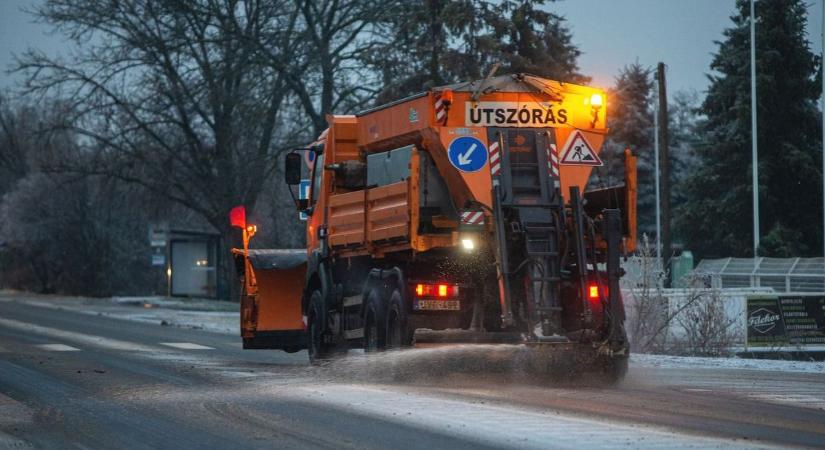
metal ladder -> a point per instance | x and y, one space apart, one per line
530 190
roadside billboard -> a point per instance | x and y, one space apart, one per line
794 321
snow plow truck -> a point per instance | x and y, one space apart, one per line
458 215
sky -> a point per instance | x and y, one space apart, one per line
610 33
679 33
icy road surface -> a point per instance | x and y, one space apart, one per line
74 379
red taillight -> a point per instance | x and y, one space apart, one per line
436 290
593 291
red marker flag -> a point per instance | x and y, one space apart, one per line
237 217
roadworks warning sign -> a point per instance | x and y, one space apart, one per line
577 151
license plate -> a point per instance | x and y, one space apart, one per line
437 305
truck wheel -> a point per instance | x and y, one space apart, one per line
374 323
317 349
397 335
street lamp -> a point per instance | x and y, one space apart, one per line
754 164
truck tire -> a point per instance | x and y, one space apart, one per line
397 334
374 323
317 349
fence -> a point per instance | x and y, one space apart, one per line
798 275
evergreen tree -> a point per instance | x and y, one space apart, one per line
529 39
439 42
717 218
684 121
630 119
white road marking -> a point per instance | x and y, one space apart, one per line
58 348
502 425
186 346
812 400
77 338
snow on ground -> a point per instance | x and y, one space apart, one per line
215 321
693 362
497 424
203 314
223 317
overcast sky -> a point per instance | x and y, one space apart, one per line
679 33
610 33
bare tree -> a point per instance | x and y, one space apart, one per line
691 320
331 78
708 329
23 145
646 303
174 95
64 234
13 161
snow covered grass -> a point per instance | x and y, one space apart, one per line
210 315
694 362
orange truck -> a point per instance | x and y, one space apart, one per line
458 215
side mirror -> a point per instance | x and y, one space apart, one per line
292 169
302 204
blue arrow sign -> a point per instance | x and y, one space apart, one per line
467 154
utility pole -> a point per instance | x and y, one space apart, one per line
822 99
656 179
664 176
754 159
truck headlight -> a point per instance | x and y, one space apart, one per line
468 244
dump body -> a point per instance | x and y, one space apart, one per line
459 209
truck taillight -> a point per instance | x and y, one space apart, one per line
442 290
593 293
436 290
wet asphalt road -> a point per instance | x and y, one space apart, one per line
71 380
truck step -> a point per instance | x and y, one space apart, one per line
354 334
552 279
353 300
531 253
545 309
532 239
539 228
